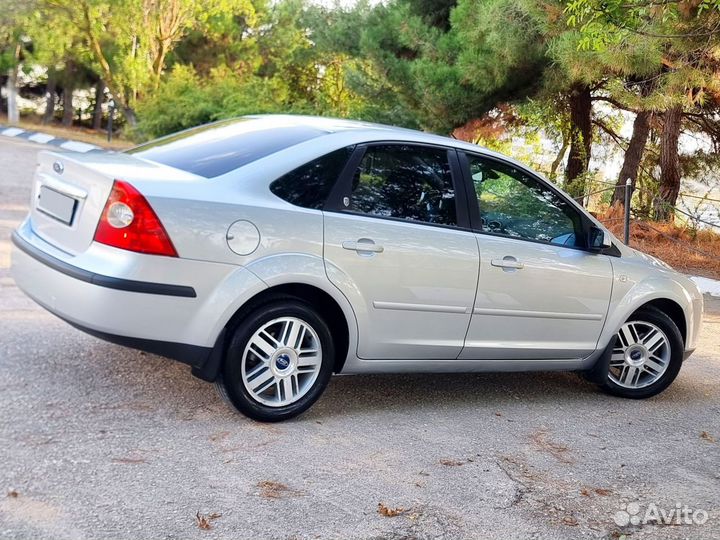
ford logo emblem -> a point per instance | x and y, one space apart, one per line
58 167
282 361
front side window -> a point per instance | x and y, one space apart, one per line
309 185
515 204
405 182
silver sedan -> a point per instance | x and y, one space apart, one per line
269 252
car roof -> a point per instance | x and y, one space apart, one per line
287 133
375 131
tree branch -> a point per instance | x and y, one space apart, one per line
615 103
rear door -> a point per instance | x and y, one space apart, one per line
540 295
398 245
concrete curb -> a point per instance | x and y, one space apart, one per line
45 138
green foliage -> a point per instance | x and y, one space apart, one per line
184 100
675 43
14 16
498 69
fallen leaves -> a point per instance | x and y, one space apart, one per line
205 521
704 435
569 520
12 493
386 511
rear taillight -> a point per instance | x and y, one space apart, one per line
129 222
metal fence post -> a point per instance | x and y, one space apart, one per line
111 113
628 197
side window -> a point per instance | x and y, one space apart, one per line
515 204
309 185
406 182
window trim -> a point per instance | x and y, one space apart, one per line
585 223
343 187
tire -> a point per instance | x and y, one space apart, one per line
644 358
270 372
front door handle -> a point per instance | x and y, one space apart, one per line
363 245
507 263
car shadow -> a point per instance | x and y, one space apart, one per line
486 391
169 384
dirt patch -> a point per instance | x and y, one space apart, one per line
541 441
277 490
455 462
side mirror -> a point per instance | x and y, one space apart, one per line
598 239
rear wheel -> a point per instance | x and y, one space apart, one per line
279 361
646 356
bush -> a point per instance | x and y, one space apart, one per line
184 100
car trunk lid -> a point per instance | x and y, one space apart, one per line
70 191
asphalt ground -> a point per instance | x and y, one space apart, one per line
99 441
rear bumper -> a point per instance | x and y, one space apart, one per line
168 306
100 280
205 361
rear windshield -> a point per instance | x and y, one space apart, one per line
218 148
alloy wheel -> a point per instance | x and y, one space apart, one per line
641 355
281 361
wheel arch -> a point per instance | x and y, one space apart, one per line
328 307
623 312
341 324
664 294
672 309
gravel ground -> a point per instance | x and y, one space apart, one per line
99 441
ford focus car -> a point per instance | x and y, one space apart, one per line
269 252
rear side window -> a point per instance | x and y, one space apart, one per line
219 148
405 182
309 185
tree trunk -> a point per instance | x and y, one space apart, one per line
11 89
130 116
580 139
67 118
669 165
633 155
50 92
97 110
559 158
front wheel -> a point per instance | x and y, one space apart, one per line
646 357
279 361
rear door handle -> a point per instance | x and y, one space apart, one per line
507 263
363 245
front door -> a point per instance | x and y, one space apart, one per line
540 295
396 248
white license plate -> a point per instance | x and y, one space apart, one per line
56 204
